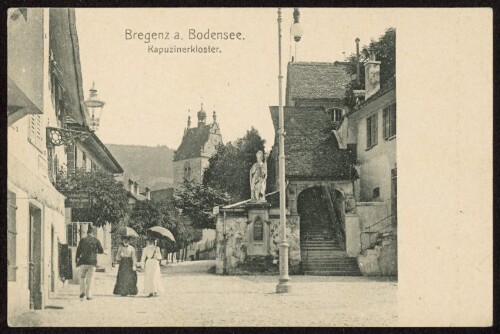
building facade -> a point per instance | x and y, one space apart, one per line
371 126
190 161
197 146
340 154
36 209
49 135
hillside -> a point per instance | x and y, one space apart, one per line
151 166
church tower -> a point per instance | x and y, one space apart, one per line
198 145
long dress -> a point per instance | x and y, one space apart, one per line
126 280
151 256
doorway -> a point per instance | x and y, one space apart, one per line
35 258
52 259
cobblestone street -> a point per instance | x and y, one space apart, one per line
194 297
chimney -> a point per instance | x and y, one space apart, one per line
202 116
130 186
358 70
189 119
136 188
372 75
147 193
214 115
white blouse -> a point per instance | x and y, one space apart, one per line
150 252
126 251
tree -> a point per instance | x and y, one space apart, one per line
146 214
229 167
197 202
385 52
108 197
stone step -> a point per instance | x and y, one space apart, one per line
326 246
328 263
332 273
330 259
318 241
320 251
352 269
343 267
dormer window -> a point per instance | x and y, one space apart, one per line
336 114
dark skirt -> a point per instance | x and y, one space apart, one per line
126 280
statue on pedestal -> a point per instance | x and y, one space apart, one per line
258 177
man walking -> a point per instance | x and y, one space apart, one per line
86 260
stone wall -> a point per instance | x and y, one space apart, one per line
369 214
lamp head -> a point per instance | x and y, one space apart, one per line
296 29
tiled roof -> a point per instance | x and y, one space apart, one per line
316 80
311 149
193 141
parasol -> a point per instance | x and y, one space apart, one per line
126 231
162 231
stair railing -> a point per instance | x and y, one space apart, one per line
375 229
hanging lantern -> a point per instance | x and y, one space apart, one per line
296 29
94 107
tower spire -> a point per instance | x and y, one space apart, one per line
202 116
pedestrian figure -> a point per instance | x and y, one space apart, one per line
86 261
150 262
126 280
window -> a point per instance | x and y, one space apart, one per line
84 161
336 114
371 131
11 236
35 136
187 171
76 233
57 94
390 121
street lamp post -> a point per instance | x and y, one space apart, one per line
283 284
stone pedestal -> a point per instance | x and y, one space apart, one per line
247 240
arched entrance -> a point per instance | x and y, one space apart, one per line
322 232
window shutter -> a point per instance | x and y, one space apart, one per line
11 236
368 132
393 120
35 131
32 129
39 138
375 129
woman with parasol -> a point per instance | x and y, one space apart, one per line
126 280
150 261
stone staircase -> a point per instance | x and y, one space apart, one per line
321 254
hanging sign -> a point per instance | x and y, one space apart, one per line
77 199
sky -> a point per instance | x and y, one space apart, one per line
148 95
